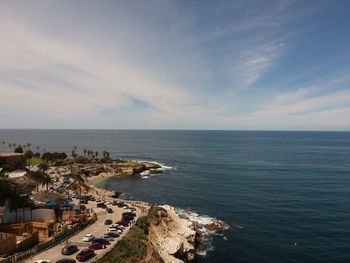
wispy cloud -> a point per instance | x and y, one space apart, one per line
166 65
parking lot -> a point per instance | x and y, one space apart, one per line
97 229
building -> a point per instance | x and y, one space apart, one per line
8 243
8 158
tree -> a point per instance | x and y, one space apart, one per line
29 144
19 149
105 154
28 155
38 177
44 167
96 153
85 151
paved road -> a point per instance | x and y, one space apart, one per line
97 229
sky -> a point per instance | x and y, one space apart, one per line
231 65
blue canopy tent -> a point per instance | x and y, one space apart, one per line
69 200
51 203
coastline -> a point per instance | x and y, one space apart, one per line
177 232
173 232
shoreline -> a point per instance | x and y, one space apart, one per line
180 233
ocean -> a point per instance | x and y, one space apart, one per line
285 195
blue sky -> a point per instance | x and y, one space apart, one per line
272 65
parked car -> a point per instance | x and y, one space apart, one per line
114 203
43 261
120 227
96 246
69 249
108 222
66 260
112 229
101 205
121 204
123 223
112 234
109 210
88 238
107 237
85 254
101 241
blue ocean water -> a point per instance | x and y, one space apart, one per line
286 195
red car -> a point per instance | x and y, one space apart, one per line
96 246
85 254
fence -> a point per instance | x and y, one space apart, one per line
54 241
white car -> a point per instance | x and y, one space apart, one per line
43 261
108 203
88 238
117 226
114 230
107 237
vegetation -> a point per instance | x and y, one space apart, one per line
55 156
132 248
19 149
38 177
35 160
46 180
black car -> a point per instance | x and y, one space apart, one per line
101 205
109 210
66 260
100 241
121 204
69 250
108 222
111 234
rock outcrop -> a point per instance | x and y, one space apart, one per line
173 237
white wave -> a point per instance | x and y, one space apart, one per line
203 223
145 177
201 220
163 167
145 173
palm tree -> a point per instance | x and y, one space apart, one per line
85 151
29 144
96 153
47 179
37 148
10 145
38 177
14 144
